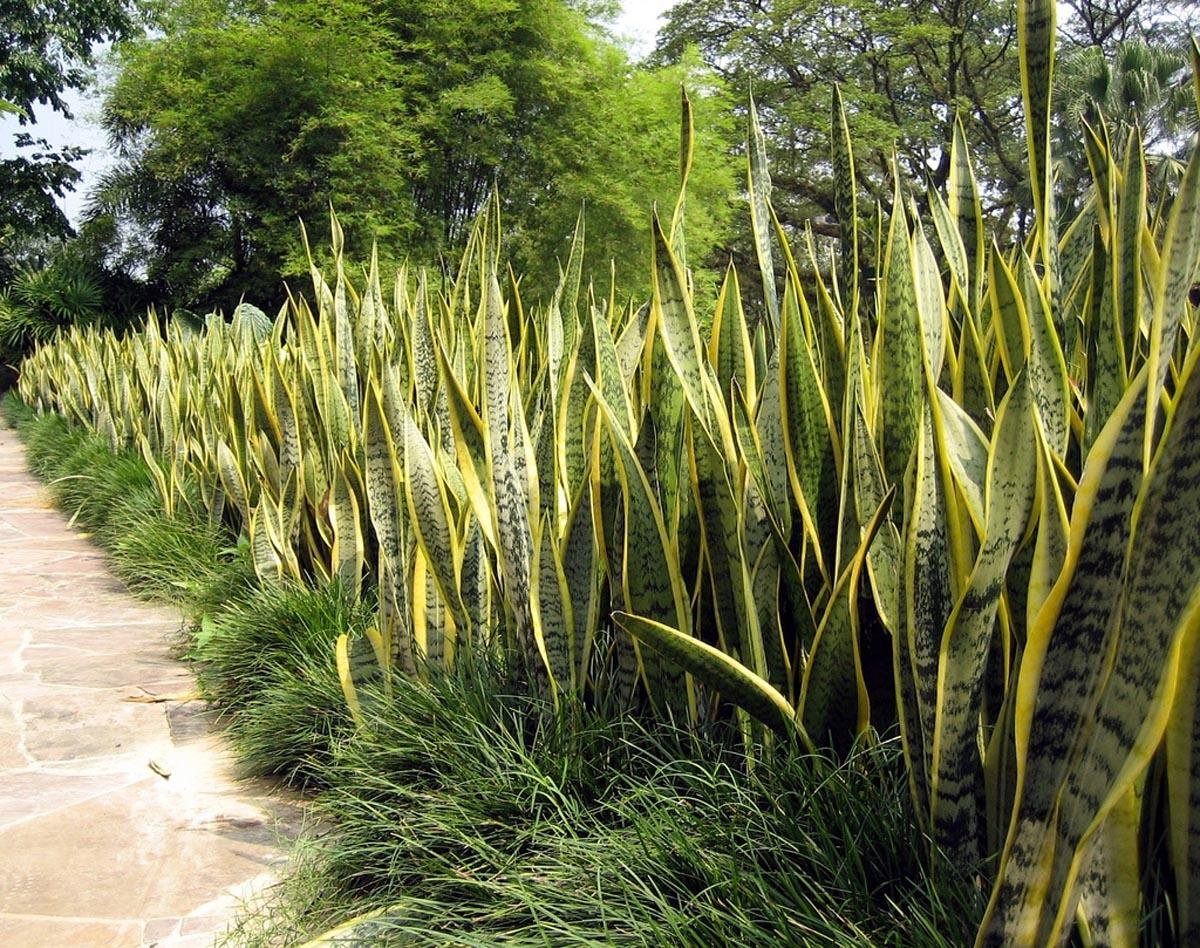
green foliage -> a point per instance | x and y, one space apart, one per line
97 489
46 49
60 284
622 155
472 813
921 505
235 122
38 303
250 639
297 716
1101 25
265 656
177 559
905 70
30 186
505 822
1137 87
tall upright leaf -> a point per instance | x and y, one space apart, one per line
845 204
956 774
759 182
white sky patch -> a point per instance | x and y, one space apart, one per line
640 21
82 131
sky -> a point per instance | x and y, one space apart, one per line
639 20
638 23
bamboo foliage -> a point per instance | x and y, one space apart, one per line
958 504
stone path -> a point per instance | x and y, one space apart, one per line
96 847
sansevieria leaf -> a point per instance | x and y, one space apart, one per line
1158 612
759 180
510 494
845 202
716 669
956 774
899 349
1183 787
346 518
429 512
833 700
928 598
1037 37
677 325
966 209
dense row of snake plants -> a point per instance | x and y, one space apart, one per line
963 501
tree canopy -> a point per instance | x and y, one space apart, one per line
1105 24
905 70
237 120
46 49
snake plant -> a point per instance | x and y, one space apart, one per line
960 502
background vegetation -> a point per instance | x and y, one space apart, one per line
233 122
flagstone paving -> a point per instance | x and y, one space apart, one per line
121 820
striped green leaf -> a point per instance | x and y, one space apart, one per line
956 770
898 349
759 183
1063 661
1183 787
734 681
845 203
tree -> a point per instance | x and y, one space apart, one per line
238 120
1105 24
46 49
620 158
232 125
1129 66
905 70
39 302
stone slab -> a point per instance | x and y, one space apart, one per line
32 931
121 820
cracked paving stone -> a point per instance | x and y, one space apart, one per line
97 848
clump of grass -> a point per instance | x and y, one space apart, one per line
98 487
289 731
268 627
180 559
267 658
14 411
475 816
